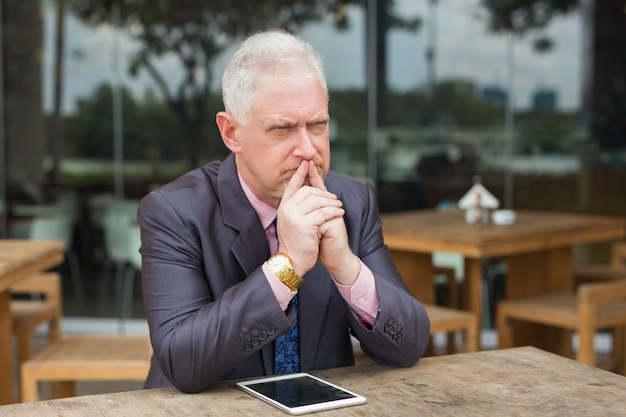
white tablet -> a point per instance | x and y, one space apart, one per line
300 393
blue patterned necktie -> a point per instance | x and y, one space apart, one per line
287 346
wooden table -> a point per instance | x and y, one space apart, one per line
537 248
19 259
513 382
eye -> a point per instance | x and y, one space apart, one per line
279 128
319 125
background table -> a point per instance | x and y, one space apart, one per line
537 247
19 259
513 382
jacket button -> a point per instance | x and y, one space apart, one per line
247 347
256 341
271 330
262 335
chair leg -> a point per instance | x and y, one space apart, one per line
77 278
586 351
503 326
469 342
54 330
24 337
452 302
28 384
62 389
128 292
619 349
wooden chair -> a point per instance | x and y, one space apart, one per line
86 358
448 318
615 270
29 313
452 321
594 306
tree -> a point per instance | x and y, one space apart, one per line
521 17
196 32
606 100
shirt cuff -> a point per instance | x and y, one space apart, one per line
362 296
281 291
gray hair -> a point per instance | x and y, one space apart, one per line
267 54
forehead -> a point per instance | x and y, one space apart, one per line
279 97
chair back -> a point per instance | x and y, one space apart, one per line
134 244
47 284
602 292
116 223
52 226
618 254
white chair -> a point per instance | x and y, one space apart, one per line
118 224
134 267
59 226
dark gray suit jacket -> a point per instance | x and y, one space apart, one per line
211 312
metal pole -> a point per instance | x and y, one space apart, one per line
372 90
57 133
432 46
4 206
509 126
118 133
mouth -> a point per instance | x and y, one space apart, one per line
289 170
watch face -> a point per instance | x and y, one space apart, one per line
277 262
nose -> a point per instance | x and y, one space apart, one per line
305 147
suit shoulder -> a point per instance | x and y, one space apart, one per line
199 177
342 184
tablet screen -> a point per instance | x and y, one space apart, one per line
301 393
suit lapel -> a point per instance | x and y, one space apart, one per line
250 248
239 214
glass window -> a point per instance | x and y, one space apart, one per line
424 100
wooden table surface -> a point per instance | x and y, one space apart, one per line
19 259
537 247
513 382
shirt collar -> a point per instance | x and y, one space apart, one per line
266 213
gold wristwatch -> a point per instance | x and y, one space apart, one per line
280 265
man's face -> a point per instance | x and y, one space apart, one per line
288 125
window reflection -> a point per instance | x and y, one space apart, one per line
538 114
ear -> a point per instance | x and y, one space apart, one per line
227 125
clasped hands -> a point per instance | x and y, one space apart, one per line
311 227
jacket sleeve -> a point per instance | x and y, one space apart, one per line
198 337
401 331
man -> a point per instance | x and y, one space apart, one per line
237 252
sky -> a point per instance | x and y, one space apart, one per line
464 49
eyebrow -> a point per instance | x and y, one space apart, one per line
285 121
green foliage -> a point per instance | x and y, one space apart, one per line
453 102
545 132
195 33
148 128
521 17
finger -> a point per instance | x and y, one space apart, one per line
315 179
296 181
